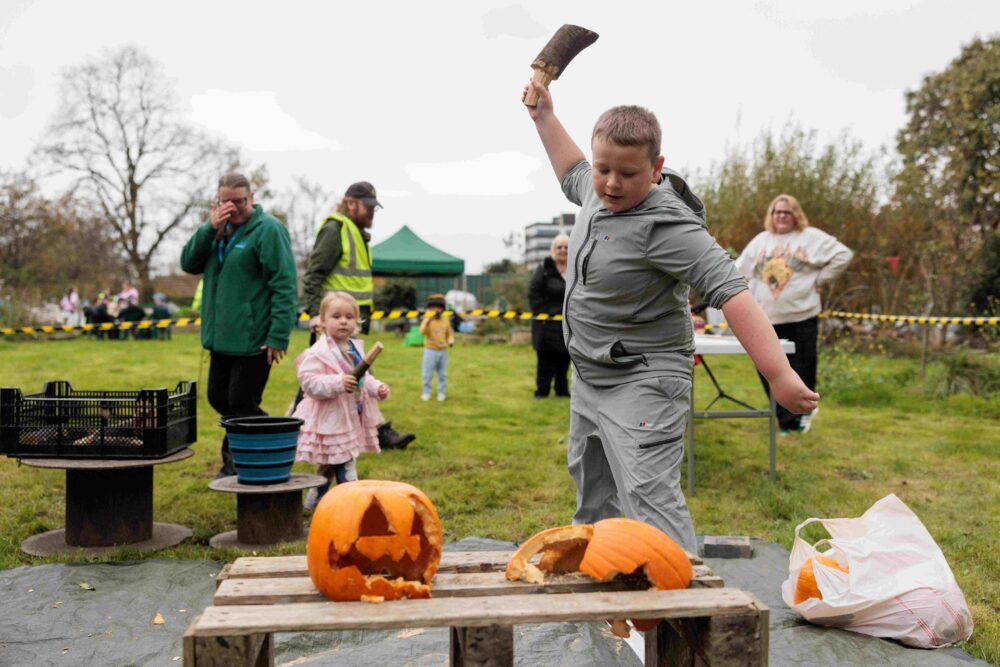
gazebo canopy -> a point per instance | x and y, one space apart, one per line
406 254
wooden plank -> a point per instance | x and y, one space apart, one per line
472 612
250 650
222 575
282 590
451 561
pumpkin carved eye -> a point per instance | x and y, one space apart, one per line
374 540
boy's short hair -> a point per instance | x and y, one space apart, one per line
630 125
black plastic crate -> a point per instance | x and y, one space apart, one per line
62 422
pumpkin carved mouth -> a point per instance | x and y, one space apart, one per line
374 540
611 548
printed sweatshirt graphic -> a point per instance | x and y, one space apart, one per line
785 269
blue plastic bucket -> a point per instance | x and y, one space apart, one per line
263 448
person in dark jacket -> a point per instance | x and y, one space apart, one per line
545 295
249 299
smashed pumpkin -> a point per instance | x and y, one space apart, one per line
603 551
374 540
805 585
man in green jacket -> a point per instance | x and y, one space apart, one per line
341 260
248 301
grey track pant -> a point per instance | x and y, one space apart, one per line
626 443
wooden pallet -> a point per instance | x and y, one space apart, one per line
706 624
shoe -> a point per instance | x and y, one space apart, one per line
312 499
440 397
390 439
805 421
425 397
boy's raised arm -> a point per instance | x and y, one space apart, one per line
757 336
562 151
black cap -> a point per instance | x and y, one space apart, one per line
364 192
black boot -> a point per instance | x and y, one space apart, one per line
228 467
390 439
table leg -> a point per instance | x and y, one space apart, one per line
772 422
690 443
107 507
269 518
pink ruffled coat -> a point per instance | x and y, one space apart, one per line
333 431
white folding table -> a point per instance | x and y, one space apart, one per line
708 345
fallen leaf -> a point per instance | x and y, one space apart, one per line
55 605
175 658
158 619
87 587
181 611
31 590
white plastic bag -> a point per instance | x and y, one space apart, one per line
898 584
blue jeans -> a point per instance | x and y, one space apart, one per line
435 360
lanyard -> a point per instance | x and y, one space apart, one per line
223 244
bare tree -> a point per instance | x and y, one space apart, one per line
119 135
303 206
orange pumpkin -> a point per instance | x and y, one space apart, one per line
374 540
805 585
603 551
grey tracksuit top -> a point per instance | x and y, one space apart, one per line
626 312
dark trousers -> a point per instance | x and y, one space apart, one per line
804 335
552 365
366 319
235 389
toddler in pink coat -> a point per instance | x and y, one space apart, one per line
340 412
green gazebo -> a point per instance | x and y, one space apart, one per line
406 254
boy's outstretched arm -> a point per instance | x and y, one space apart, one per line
562 151
751 327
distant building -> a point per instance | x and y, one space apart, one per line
538 237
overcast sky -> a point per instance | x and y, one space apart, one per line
422 98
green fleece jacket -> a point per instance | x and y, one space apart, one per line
249 297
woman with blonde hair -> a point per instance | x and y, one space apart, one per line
545 295
785 265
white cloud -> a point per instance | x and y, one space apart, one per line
491 175
254 120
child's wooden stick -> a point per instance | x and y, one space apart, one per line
366 363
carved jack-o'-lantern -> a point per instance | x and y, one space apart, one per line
374 540
603 551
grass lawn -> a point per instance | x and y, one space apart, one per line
493 460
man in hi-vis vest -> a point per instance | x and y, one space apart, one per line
341 261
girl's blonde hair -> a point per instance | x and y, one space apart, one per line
801 221
342 297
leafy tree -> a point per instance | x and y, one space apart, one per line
46 245
838 185
502 267
948 187
119 135
398 293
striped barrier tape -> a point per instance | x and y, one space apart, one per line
478 312
915 319
104 326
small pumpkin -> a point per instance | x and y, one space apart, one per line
374 540
603 551
805 585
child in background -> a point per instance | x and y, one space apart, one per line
340 412
639 243
437 339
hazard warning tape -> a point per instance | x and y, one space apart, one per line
509 315
915 319
104 326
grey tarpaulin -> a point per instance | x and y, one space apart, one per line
47 618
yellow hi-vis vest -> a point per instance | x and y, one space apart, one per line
353 272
